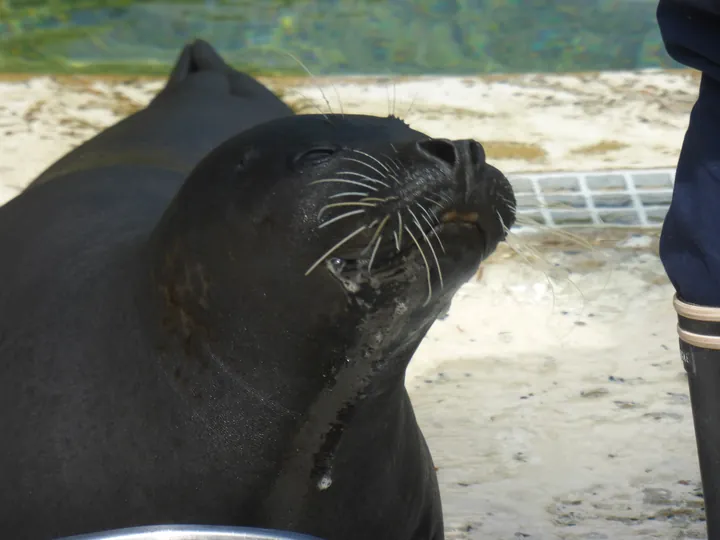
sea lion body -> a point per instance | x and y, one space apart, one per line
204 102
227 353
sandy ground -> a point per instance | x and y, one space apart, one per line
555 402
552 396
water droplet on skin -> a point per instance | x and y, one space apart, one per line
325 482
336 266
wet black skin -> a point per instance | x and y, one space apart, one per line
166 359
204 102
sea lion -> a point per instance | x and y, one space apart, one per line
234 352
204 102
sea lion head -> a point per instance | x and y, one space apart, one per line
336 238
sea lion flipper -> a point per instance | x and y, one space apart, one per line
201 57
206 58
196 56
204 102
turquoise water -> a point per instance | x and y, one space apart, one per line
376 37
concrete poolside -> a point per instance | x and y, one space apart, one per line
553 396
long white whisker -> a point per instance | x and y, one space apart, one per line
400 230
378 234
365 177
376 160
426 212
394 96
432 228
364 163
427 266
374 252
340 204
336 246
439 205
348 194
383 165
302 65
392 162
341 216
432 250
342 181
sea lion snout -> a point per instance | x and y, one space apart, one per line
480 193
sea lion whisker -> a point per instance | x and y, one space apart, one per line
344 181
392 162
376 160
341 216
365 177
432 228
502 222
339 204
366 164
376 233
400 230
336 246
377 238
374 252
394 174
378 199
427 212
512 205
412 103
322 93
432 249
436 203
390 173
427 266
348 194
394 96
397 242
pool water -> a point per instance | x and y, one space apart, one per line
377 37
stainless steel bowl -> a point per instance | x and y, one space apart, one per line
190 532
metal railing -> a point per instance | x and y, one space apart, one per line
191 532
620 198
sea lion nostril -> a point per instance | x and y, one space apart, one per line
477 153
441 149
472 151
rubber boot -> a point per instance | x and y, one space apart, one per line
699 332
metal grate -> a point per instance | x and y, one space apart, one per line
623 198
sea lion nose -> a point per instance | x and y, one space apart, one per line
439 149
472 151
454 153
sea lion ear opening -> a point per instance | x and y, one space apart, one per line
244 159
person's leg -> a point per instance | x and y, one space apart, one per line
690 240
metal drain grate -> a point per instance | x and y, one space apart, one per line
623 198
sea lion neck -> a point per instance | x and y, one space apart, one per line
216 309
